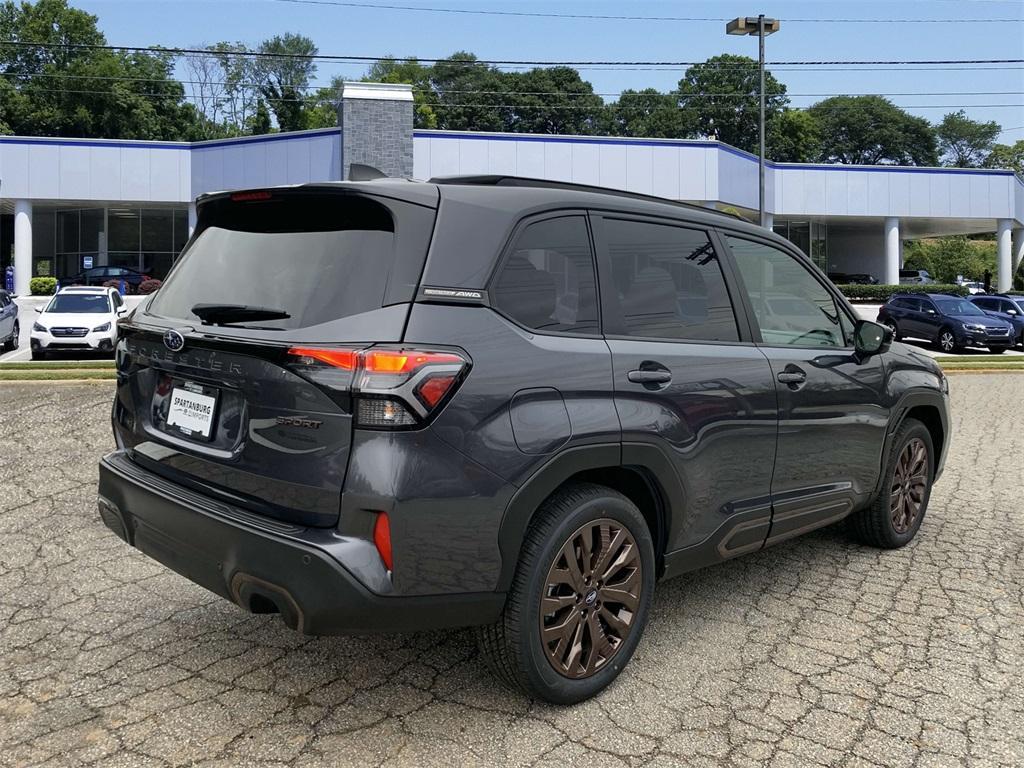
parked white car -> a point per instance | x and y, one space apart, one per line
974 288
82 318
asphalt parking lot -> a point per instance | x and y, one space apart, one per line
817 652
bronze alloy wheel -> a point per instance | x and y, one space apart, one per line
909 484
591 597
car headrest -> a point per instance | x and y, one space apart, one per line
529 290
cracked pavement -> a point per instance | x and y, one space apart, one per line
816 652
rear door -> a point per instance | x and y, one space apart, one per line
691 389
832 411
235 407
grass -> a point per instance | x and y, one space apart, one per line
57 365
67 374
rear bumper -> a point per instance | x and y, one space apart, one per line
266 566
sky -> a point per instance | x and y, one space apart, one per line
975 29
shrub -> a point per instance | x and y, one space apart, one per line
150 285
42 286
881 293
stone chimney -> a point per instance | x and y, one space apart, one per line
376 127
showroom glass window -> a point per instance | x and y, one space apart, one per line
791 305
669 282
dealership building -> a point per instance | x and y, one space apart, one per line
66 204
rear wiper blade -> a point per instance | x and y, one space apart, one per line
227 314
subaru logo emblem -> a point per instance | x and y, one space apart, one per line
174 341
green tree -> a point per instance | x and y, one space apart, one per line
948 258
1007 156
470 96
284 70
552 100
410 71
76 91
872 130
259 123
965 143
794 136
647 113
721 97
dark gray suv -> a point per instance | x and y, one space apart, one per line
502 403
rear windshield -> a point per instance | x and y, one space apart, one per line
316 258
79 303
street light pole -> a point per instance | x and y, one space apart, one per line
760 156
762 27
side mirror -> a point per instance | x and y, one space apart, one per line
871 338
122 310
1012 312
930 311
39 310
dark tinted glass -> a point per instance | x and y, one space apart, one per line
316 258
669 282
79 303
791 305
547 282
957 307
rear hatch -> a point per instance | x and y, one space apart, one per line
211 393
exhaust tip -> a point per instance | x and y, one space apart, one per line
262 597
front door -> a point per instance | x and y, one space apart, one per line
832 422
692 391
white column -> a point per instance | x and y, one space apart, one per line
22 246
191 218
769 220
1003 256
1017 249
892 251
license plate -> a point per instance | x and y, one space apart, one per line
191 412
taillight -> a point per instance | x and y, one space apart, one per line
393 388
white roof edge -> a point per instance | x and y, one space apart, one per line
376 91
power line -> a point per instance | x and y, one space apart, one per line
254 85
608 17
485 105
495 62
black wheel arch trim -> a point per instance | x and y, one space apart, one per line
911 399
649 460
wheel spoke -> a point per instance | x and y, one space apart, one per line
608 551
625 557
559 635
573 568
625 592
555 603
587 553
616 623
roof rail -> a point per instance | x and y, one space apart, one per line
497 180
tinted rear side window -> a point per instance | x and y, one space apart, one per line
669 282
318 258
547 282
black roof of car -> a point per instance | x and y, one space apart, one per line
477 214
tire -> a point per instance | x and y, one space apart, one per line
38 354
876 525
997 350
513 647
946 341
12 343
891 325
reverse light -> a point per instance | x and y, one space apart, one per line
393 388
382 539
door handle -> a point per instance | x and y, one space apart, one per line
649 377
792 376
